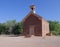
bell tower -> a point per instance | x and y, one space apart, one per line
32 7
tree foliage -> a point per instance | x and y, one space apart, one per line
11 27
54 27
2 28
17 29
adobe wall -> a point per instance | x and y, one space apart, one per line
45 27
32 20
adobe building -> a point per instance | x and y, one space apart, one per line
33 24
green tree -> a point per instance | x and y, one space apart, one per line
17 29
54 27
10 25
2 28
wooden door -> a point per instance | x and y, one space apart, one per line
31 29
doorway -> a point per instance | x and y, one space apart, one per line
31 29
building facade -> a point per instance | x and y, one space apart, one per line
34 24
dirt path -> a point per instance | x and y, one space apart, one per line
30 42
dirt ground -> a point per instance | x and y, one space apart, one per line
34 41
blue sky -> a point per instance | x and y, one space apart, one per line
18 9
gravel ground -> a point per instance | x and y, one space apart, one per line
34 41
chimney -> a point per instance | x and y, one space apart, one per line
32 7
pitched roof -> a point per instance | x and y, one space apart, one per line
33 14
